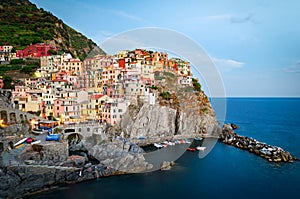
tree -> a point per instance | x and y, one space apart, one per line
196 84
8 82
165 95
38 113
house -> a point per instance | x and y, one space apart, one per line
95 105
185 80
67 106
7 53
36 50
49 65
183 67
113 109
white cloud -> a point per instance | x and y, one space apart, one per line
227 65
294 68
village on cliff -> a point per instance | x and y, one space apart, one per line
98 89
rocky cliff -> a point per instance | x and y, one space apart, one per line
183 113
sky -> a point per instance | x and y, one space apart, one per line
254 44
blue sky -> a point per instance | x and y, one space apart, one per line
254 44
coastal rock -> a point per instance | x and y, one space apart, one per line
268 152
119 154
151 121
155 122
76 161
166 165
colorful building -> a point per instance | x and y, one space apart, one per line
36 50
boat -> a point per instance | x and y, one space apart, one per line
198 139
157 145
200 148
187 141
53 137
171 143
20 142
35 142
29 140
191 149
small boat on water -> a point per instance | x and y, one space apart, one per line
53 137
191 149
35 142
157 145
200 148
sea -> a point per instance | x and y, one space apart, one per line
226 172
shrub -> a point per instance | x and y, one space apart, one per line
153 87
27 69
165 95
196 84
17 61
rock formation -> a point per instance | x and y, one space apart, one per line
268 152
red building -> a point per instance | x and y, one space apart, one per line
121 63
36 50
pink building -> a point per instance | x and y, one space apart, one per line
36 50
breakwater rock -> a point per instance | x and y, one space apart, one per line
268 152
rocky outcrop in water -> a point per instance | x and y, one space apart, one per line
268 152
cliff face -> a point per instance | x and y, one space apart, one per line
183 114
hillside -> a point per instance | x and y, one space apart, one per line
22 23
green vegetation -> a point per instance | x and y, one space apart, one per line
52 52
4 68
17 61
8 82
204 110
27 66
165 95
153 87
22 24
28 69
38 113
196 84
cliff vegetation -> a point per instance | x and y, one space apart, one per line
22 24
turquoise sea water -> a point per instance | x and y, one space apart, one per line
226 172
